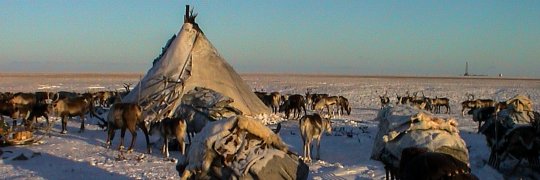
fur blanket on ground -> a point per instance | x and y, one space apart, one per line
403 126
240 148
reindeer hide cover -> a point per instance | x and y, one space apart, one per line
243 145
519 112
403 126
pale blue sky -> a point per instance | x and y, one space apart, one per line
341 37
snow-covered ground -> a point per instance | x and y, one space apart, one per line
343 157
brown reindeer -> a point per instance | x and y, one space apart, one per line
70 107
437 103
314 98
126 116
312 127
418 163
326 102
474 104
170 128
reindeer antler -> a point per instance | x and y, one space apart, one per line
127 86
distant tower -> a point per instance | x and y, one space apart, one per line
466 69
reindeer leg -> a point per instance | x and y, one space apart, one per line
110 136
145 132
181 143
305 146
479 125
82 124
165 147
308 151
387 177
122 134
318 157
49 125
189 137
64 124
134 136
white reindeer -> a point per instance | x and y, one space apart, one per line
312 127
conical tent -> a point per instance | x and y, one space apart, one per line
190 61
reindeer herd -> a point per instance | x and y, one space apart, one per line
28 107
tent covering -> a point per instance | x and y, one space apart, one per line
190 61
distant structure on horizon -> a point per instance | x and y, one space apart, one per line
466 69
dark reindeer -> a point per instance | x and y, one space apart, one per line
296 103
343 104
272 100
126 116
418 163
39 110
23 103
404 99
7 109
385 100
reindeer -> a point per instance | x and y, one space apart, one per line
195 120
5 96
296 103
326 102
482 114
437 103
312 127
385 100
272 100
44 97
7 109
40 110
417 163
260 95
23 103
170 128
315 98
419 104
404 99
475 104
343 103
126 116
64 94
103 98
70 107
